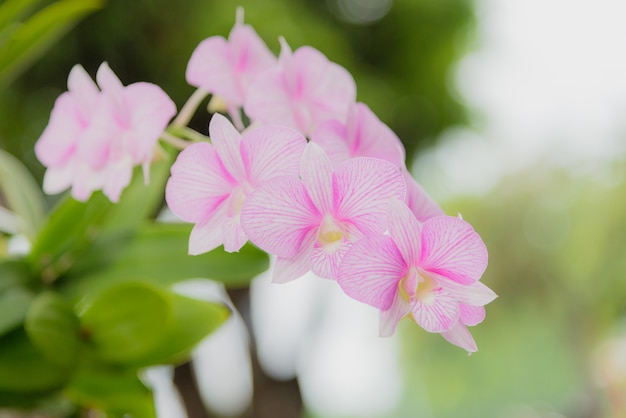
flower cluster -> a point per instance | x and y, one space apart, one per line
97 135
315 179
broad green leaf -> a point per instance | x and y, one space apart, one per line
69 230
159 252
54 329
12 11
126 321
22 194
34 36
14 303
118 392
24 369
193 321
14 272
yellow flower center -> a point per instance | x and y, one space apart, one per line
330 235
417 284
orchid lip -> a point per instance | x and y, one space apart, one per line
330 235
417 285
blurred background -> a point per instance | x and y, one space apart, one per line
512 113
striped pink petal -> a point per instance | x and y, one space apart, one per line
288 269
226 140
388 320
472 315
316 173
405 230
440 313
460 336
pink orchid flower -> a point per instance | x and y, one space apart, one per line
430 271
310 221
95 137
226 68
210 182
301 92
362 135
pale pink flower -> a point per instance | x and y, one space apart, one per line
226 68
210 182
362 135
301 92
429 271
95 137
311 220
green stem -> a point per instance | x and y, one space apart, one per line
189 108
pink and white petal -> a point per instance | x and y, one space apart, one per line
150 109
388 320
234 237
451 248
199 183
474 294
472 315
331 135
460 336
58 141
405 230
371 270
58 179
325 263
439 314
369 137
271 151
118 176
210 68
288 269
251 57
278 215
421 204
109 83
268 100
316 172
227 142
208 234
362 189
83 89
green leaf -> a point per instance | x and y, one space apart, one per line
159 252
14 303
22 194
193 321
33 37
119 392
68 232
127 321
14 272
24 369
54 329
11 11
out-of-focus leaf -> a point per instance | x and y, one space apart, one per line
70 228
33 37
13 272
14 303
54 329
24 369
127 321
116 391
193 320
22 194
11 11
159 252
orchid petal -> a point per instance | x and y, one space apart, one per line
226 140
437 315
197 185
460 336
331 135
288 269
420 203
472 315
316 173
209 68
451 248
474 294
271 151
82 87
278 215
209 234
325 263
389 318
405 230
371 270
363 187
233 235
58 141
268 102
